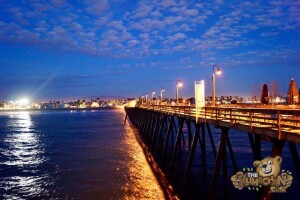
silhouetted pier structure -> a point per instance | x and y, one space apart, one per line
162 125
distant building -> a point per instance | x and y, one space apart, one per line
95 104
48 106
82 104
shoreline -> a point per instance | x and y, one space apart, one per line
59 109
166 186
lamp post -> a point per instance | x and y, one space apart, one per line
142 99
146 96
152 96
161 97
218 72
178 85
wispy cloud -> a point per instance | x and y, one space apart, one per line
96 7
146 28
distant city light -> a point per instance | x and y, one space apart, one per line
24 102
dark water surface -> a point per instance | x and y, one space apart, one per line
72 155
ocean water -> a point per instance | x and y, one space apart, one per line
72 155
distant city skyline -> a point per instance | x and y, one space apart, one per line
63 49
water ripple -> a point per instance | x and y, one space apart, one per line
22 156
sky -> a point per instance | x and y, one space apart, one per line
70 49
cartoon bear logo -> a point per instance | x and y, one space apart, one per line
267 173
268 166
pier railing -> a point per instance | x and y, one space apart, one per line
283 121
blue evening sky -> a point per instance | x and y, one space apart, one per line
69 49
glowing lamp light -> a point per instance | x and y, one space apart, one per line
219 72
179 84
23 102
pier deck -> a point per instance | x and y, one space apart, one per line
164 128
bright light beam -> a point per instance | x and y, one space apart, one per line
24 102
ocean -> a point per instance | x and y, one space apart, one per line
72 155
93 154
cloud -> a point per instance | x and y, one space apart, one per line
101 21
110 36
59 3
168 3
40 7
156 14
107 28
147 25
67 19
145 36
96 7
125 36
185 27
19 16
132 43
172 20
118 25
76 26
276 12
192 12
176 37
142 11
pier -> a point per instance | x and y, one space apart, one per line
164 127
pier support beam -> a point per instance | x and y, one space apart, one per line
295 157
220 156
125 118
177 142
191 157
160 132
190 137
170 129
149 130
153 135
255 145
235 168
211 139
203 149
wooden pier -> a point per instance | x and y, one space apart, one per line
161 127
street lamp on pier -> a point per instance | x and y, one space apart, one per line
178 85
146 97
152 96
161 92
218 72
142 99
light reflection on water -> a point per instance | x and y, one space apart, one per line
143 184
78 155
23 155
